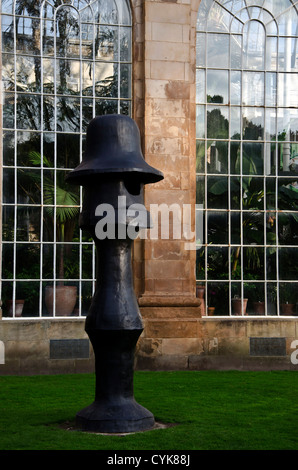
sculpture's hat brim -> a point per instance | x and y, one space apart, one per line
113 146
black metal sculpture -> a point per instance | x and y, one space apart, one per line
113 170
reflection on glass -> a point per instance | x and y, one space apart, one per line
236 51
68 76
218 50
254 39
125 41
68 114
200 157
200 54
107 44
287 54
217 192
218 19
106 80
28 111
287 89
217 157
271 52
235 123
200 86
200 122
235 85
27 37
217 122
8 110
125 73
271 91
106 107
253 123
217 86
253 88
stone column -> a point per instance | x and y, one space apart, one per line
169 144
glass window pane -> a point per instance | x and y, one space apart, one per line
28 111
252 158
236 51
28 224
217 86
217 192
8 147
253 123
9 186
8 110
200 50
200 190
288 259
68 114
8 218
217 259
200 156
200 86
235 87
254 45
125 44
68 150
253 88
218 50
200 122
287 86
217 122
217 157
217 225
235 123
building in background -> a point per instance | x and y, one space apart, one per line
212 86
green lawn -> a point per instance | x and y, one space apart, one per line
212 410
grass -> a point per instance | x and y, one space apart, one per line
213 410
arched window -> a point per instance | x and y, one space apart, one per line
247 155
63 62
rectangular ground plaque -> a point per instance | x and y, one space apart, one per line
267 346
69 349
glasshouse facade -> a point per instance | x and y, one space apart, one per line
212 86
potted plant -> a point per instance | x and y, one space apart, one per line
255 294
62 204
287 299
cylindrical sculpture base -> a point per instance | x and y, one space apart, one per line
114 409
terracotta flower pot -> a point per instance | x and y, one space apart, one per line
19 304
287 309
211 311
259 308
237 306
66 297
